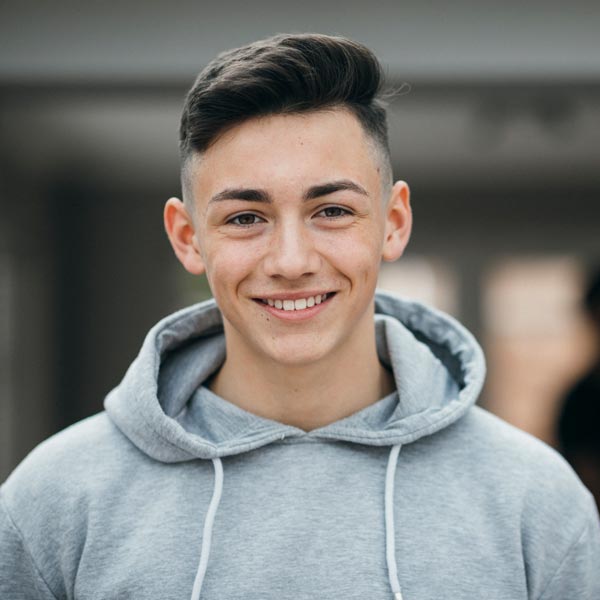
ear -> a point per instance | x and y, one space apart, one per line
398 222
181 232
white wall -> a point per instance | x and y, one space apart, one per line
71 39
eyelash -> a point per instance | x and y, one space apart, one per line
344 212
233 219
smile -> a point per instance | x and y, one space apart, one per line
296 304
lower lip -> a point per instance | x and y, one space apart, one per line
296 315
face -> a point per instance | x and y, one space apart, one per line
290 227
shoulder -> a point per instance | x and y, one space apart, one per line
75 447
522 490
58 474
523 464
489 434
51 498
523 478
534 488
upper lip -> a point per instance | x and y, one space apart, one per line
292 295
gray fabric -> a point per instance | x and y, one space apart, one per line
114 506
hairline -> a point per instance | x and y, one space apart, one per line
380 154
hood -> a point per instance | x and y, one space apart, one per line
162 407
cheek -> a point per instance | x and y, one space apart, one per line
227 265
357 256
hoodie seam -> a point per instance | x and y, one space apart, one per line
572 545
163 437
378 435
329 435
246 446
25 546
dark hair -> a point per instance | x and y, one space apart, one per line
285 74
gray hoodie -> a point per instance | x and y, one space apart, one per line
175 493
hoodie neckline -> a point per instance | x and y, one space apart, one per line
216 420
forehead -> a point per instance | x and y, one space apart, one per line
287 152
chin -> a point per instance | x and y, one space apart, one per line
297 355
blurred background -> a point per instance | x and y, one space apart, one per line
498 138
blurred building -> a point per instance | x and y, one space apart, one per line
498 139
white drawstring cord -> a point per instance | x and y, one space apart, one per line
390 538
208 525
390 534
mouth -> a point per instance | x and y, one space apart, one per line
296 304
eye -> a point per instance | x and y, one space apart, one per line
333 212
245 220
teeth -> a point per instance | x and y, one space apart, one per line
299 304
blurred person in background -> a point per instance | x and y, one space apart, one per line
299 436
579 422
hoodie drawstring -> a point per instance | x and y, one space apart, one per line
390 533
208 526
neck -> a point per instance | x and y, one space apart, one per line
305 396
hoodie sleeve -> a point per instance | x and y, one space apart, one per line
578 574
20 578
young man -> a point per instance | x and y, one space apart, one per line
299 436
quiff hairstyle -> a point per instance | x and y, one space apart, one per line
284 74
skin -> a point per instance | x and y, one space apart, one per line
264 225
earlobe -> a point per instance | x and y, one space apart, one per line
181 232
398 222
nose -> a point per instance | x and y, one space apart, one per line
291 253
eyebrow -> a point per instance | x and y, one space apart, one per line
315 191
249 194
325 189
